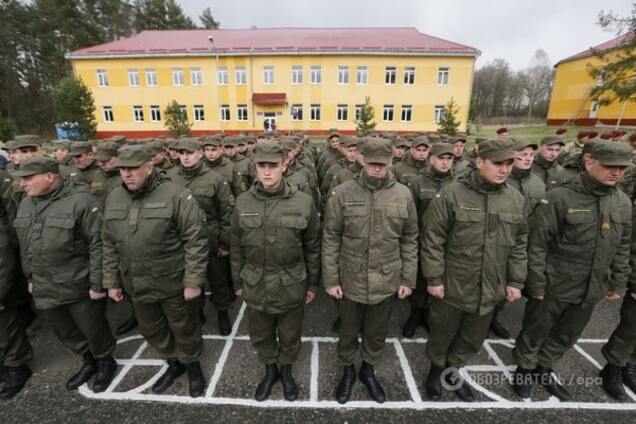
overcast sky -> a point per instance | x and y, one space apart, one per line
509 29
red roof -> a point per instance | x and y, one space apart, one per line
277 41
608 45
269 98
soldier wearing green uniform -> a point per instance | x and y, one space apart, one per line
424 188
58 225
215 159
85 169
580 232
474 257
369 254
109 178
160 158
61 152
399 149
546 165
354 166
415 162
156 249
275 265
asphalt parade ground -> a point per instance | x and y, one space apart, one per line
232 369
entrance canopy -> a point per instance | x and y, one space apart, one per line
269 98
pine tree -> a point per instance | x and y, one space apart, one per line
207 19
448 123
73 103
365 124
176 120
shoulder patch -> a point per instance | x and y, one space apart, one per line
189 197
95 209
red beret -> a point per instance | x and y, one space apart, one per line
606 136
582 134
502 130
561 131
592 134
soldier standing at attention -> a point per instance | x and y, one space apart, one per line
109 179
275 265
369 254
85 169
545 164
473 256
399 149
580 231
215 159
58 225
156 250
415 162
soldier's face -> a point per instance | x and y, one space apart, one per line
351 153
108 165
420 153
270 174
84 160
134 178
173 153
494 172
524 158
250 147
442 163
20 155
190 159
39 184
606 175
230 151
458 148
241 148
550 152
212 153
378 170
158 158
61 154
398 151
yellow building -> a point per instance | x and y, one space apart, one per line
287 78
570 101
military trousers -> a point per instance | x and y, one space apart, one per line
455 335
621 346
15 349
172 326
550 328
276 337
82 327
420 298
220 283
372 321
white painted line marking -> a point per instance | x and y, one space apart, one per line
315 366
587 356
481 388
127 367
406 370
495 357
150 382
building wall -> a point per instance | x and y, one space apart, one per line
570 98
423 95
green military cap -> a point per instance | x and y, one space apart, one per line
398 142
612 154
119 139
444 137
377 150
241 140
421 140
388 135
189 144
350 141
211 141
434 138
520 144
61 144
37 165
497 150
457 138
25 140
270 152
333 133
106 150
288 143
133 156
229 141
79 147
587 147
439 149
551 140
155 147
170 143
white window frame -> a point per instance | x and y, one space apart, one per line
314 112
240 76
151 77
133 78
138 113
409 75
443 76
184 110
107 113
406 110
222 76
102 78
198 113
196 76
224 112
297 75
241 112
177 77
390 75
342 112
297 116
438 113
268 75
155 113
343 75
386 110
315 75
362 75
359 112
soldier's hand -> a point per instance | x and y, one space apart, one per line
404 292
239 292
436 291
612 296
538 297
30 287
116 294
634 295
512 294
335 292
222 253
310 297
190 293
95 295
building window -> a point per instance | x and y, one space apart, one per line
409 75
177 76
316 74
183 111
362 75
221 76
133 78
225 112
442 76
389 75
387 114
199 113
241 112
268 75
240 75
155 113
102 78
343 75
151 77
138 113
407 113
314 113
108 114
196 77
359 112
439 113
342 113
297 112
297 75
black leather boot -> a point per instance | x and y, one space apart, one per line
433 383
265 386
629 377
345 385
175 369
225 326
522 381
461 388
128 325
14 380
498 329
197 382
367 377
106 368
89 367
290 389
551 384
612 376
411 324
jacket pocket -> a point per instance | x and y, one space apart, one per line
580 228
355 221
58 236
467 229
507 230
395 216
293 289
289 232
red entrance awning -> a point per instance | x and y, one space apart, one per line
269 98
